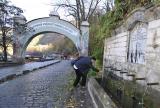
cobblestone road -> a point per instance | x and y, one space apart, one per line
41 89
5 71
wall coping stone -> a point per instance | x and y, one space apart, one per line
99 96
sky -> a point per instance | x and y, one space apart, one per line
35 8
38 8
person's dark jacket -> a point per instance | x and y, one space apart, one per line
74 61
84 64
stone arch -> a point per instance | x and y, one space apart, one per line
137 15
44 25
31 38
137 26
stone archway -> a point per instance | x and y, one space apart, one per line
23 35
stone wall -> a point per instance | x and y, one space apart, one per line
135 46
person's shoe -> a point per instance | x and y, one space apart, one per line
74 88
83 88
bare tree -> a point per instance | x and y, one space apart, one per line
108 5
6 24
81 10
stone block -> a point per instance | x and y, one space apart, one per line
122 39
150 49
158 32
19 73
121 44
150 36
154 24
150 56
99 96
122 59
157 40
26 71
124 34
10 77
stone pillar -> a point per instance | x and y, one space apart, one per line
19 28
84 38
17 47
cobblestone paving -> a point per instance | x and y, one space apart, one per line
41 89
79 98
4 71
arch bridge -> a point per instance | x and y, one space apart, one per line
24 32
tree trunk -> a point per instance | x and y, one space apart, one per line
4 46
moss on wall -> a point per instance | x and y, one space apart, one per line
129 94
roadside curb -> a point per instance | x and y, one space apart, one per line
24 72
8 64
99 96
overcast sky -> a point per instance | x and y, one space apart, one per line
38 8
34 8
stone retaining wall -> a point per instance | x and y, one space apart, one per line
135 46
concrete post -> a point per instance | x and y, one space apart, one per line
84 38
19 27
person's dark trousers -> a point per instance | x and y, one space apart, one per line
80 75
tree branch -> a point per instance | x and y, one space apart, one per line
66 5
92 11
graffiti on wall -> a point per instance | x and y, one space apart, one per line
137 44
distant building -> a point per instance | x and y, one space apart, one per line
33 55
